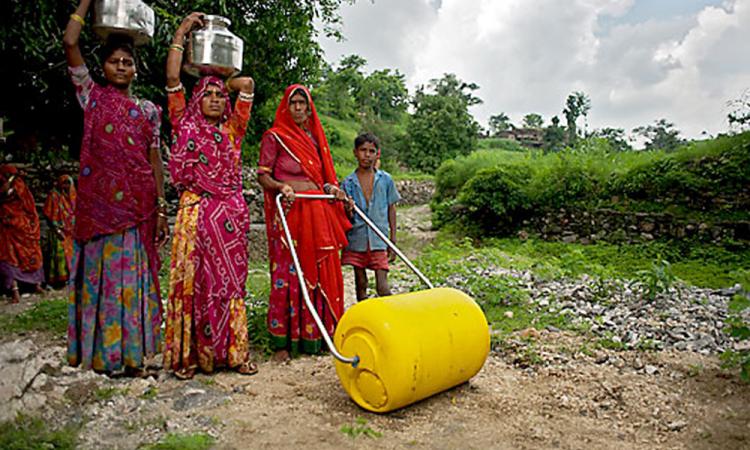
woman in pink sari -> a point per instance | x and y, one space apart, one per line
115 308
206 315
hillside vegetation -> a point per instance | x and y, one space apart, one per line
494 191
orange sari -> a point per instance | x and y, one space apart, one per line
20 251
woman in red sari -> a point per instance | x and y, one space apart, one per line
295 158
20 252
58 209
206 324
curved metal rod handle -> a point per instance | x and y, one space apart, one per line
378 232
303 286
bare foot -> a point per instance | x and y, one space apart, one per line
281 356
248 368
185 374
39 289
15 297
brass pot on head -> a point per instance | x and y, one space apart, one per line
130 17
213 49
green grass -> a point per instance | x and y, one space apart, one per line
197 441
258 289
360 428
45 315
110 392
26 433
701 265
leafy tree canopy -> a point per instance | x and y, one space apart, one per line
661 135
280 49
441 127
499 123
533 120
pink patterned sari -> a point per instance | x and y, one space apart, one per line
206 318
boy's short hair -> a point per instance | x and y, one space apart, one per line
367 137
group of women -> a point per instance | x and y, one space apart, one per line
120 219
22 261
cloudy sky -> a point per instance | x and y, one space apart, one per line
638 60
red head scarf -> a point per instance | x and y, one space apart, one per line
318 166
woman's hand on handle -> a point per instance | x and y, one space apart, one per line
288 192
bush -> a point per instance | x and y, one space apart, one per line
495 200
494 191
454 173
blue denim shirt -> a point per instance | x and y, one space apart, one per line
384 194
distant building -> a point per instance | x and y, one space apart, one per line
528 137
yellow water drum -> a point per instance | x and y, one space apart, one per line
410 346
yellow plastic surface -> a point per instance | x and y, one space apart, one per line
410 346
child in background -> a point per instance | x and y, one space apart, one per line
374 192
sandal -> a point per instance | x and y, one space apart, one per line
184 374
247 368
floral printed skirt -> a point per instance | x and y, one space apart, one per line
114 311
204 333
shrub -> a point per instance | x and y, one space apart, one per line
495 199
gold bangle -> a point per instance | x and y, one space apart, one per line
177 47
78 19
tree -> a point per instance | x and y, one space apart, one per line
451 86
533 120
739 116
441 126
499 123
662 135
554 136
280 49
576 105
615 137
383 95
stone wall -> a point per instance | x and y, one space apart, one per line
616 226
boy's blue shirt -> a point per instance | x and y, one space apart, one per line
384 194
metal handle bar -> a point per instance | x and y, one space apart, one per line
303 287
300 276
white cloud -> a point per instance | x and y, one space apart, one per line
528 55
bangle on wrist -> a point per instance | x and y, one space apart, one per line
177 47
161 202
172 90
75 17
244 96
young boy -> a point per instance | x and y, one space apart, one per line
374 192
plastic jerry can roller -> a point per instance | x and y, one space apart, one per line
410 346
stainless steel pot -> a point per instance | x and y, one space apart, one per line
131 17
214 50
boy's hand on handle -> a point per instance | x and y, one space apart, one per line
391 255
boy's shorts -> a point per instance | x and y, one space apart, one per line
371 259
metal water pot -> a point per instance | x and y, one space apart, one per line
131 17
214 50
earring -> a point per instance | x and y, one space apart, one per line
135 75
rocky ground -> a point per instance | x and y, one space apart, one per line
538 389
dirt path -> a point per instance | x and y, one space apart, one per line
564 397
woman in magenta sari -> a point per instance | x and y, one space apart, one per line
206 325
115 307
